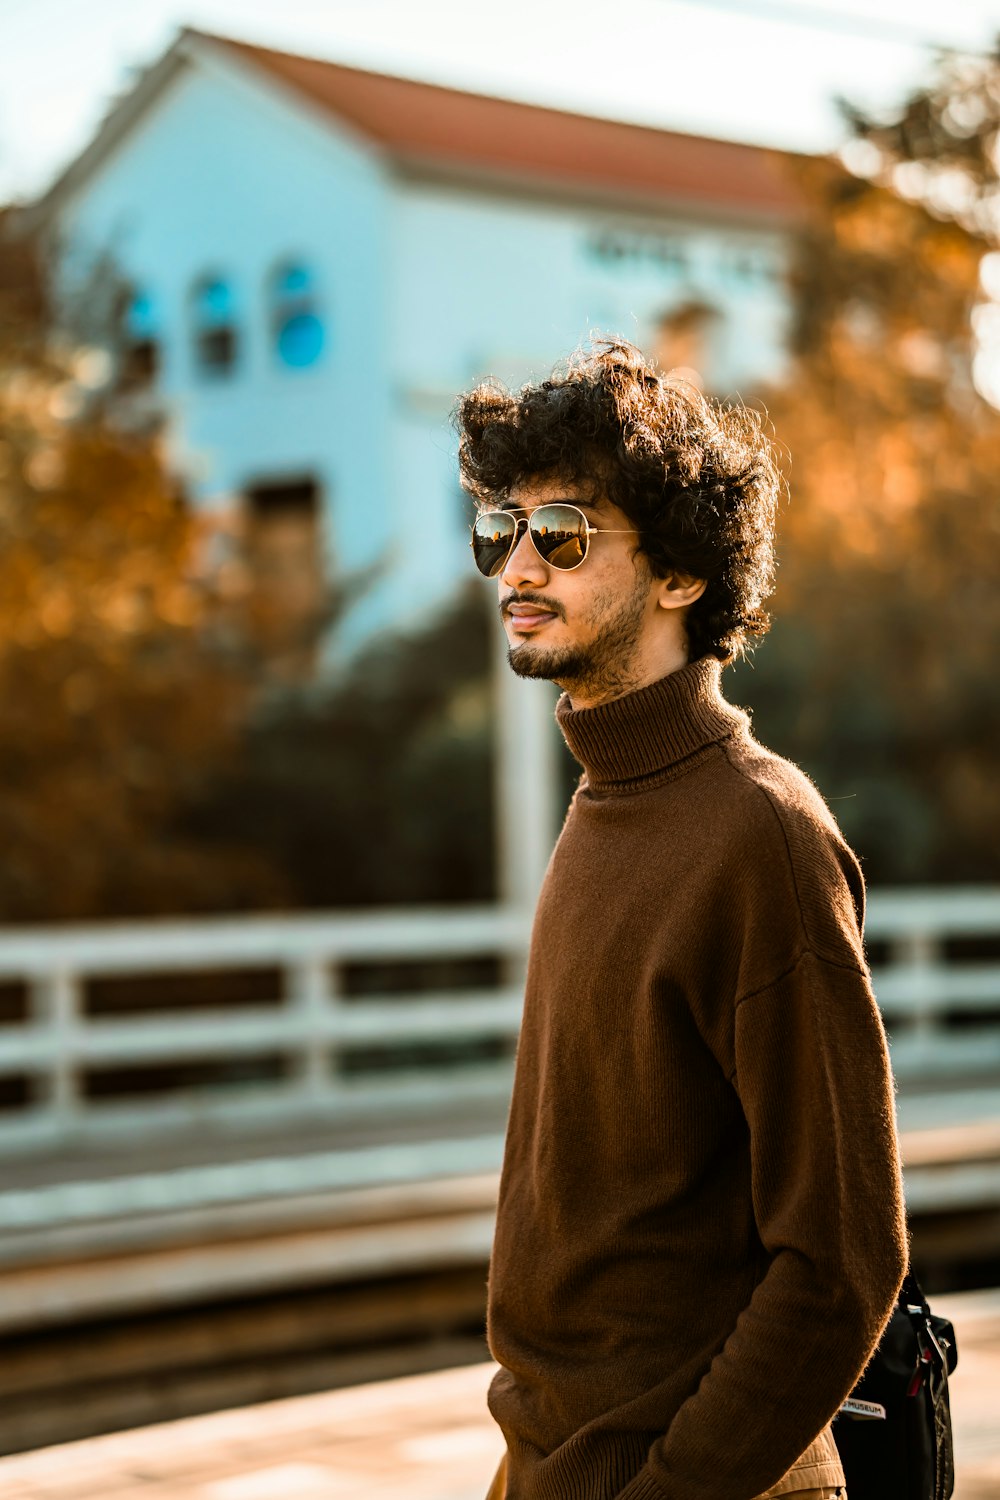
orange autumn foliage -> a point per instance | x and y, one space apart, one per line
116 699
880 675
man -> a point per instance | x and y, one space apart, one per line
700 1233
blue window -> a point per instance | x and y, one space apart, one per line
297 327
214 325
139 338
141 319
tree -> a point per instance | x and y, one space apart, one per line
378 789
117 698
880 674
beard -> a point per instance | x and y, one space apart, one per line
605 667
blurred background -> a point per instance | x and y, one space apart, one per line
273 811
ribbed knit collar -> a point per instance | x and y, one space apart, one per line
646 732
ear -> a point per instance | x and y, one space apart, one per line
678 590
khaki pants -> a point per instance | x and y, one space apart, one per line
817 1475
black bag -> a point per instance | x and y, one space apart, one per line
894 1430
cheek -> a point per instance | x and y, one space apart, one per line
614 586
597 590
602 601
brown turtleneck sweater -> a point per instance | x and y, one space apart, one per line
700 1232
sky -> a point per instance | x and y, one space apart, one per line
757 70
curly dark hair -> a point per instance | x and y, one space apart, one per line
697 478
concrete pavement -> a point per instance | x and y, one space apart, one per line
426 1437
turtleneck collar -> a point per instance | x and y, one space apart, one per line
646 732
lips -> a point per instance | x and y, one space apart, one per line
525 617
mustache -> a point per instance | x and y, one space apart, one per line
542 600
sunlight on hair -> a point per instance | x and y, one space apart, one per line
686 375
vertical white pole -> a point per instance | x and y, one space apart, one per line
527 780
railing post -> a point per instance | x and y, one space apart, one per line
526 797
312 995
920 953
55 1009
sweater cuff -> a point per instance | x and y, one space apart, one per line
642 1487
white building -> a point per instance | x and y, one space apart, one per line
321 258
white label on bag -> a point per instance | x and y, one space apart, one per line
853 1407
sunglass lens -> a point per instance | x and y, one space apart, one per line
491 538
559 533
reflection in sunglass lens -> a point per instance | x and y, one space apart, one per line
491 539
559 533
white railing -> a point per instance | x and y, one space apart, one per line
943 1015
942 1011
311 1023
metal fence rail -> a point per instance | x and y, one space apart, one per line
394 1032
310 1023
939 994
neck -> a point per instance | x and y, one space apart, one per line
583 693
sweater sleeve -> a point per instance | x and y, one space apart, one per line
813 1077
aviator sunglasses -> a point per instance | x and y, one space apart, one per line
559 533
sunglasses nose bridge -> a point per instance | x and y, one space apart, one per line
521 528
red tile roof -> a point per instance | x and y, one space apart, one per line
424 124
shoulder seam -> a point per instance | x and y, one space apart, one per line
777 818
830 963
804 927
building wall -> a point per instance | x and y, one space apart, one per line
224 177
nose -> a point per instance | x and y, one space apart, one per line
523 566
